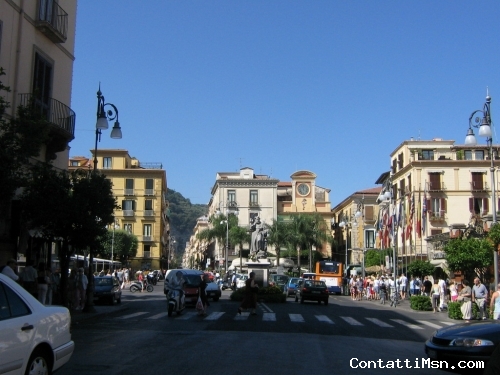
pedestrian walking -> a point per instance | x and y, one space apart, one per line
435 296
203 294
495 304
453 291
81 283
250 298
28 279
427 286
465 295
480 294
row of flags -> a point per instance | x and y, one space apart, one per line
402 218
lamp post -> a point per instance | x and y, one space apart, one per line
360 214
113 245
484 126
346 224
116 133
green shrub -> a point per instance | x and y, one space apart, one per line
268 294
454 311
421 303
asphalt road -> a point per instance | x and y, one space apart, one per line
292 338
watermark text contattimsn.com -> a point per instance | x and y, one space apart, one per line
417 363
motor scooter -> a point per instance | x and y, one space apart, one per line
137 287
175 302
152 278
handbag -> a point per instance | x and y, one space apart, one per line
199 304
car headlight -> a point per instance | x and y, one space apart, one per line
470 342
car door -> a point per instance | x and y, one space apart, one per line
16 331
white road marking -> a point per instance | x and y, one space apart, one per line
133 315
269 317
214 315
297 318
352 321
158 316
379 323
244 316
324 318
447 323
432 325
409 325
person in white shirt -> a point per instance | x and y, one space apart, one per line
8 269
403 281
442 293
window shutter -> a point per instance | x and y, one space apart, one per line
485 206
443 204
123 204
368 212
133 205
471 205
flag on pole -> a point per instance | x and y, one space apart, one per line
424 213
418 229
411 213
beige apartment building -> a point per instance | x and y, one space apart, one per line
454 182
140 190
354 226
37 42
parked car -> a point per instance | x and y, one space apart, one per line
107 288
224 284
36 338
463 342
213 291
291 286
312 290
279 281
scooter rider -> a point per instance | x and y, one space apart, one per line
177 283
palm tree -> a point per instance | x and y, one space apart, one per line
239 235
296 235
277 235
316 234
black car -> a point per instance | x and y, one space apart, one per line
312 290
107 288
462 344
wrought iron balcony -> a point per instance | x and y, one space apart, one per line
128 212
147 238
149 213
253 204
479 186
435 186
52 21
129 191
149 192
55 112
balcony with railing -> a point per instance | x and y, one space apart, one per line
437 255
147 238
52 21
59 116
149 191
435 186
253 204
129 192
149 213
438 216
128 213
479 186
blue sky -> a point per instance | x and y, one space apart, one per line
327 86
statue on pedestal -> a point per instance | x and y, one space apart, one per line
258 242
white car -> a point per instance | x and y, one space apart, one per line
213 291
35 339
240 282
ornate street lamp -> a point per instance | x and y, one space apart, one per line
116 133
484 126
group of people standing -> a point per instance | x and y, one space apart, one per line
43 283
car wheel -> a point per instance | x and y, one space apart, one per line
216 299
112 300
39 363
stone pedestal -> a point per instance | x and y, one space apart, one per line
261 269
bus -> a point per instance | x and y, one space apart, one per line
331 273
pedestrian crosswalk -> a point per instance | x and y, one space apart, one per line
295 318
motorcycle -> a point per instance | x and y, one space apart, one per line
175 302
152 278
137 287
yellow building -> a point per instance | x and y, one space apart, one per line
140 190
37 42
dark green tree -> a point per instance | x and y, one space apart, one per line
420 268
376 257
124 245
239 235
21 139
277 236
472 256
74 207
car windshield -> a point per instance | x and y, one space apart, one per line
314 283
281 278
294 280
192 280
104 281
